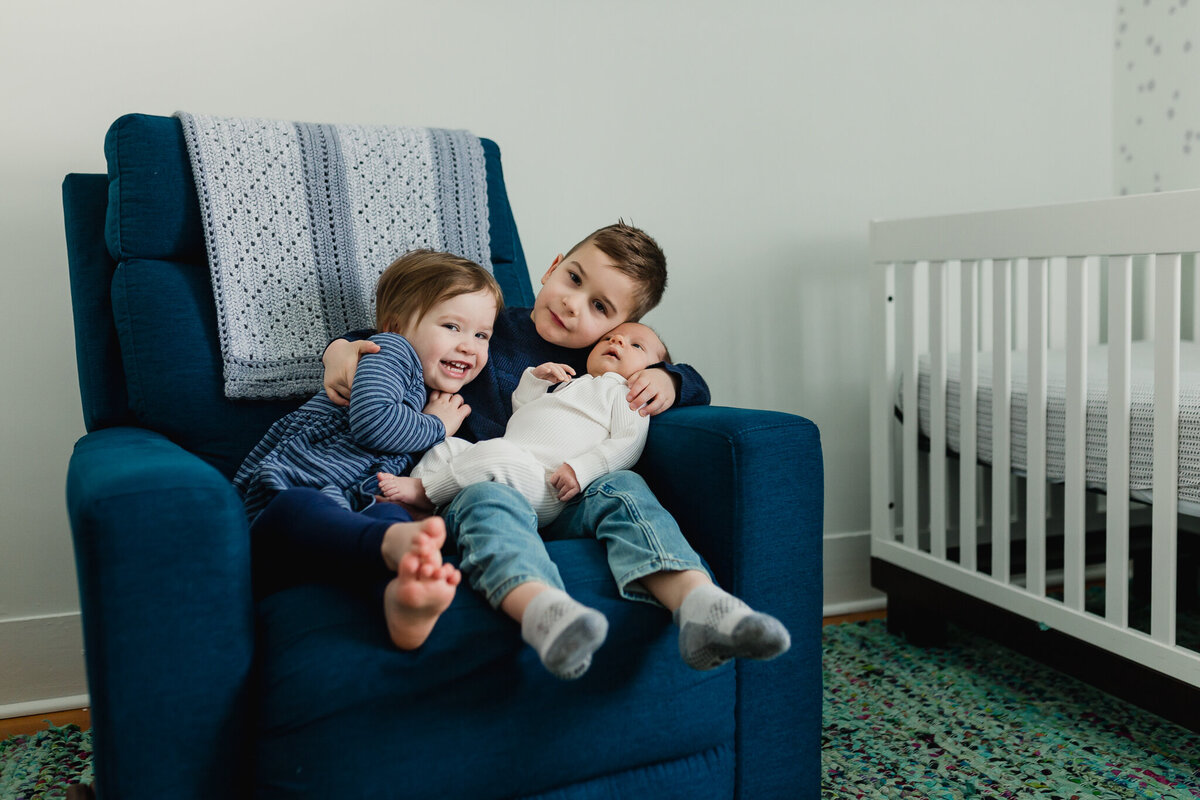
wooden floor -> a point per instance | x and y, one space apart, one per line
81 717
878 614
38 722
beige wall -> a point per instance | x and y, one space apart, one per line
753 139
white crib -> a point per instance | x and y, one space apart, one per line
1018 534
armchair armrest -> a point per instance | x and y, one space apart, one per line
747 488
163 561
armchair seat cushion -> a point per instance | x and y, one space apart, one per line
332 689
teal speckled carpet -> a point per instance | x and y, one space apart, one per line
44 764
974 719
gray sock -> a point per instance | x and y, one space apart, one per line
715 626
564 632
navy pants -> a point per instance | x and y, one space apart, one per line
305 536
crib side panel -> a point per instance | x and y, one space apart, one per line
972 311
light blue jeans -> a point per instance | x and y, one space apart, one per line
498 540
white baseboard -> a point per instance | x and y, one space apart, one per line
50 706
847 574
41 665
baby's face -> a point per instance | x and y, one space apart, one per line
626 349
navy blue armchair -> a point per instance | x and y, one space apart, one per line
200 690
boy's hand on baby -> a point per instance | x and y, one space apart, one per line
449 408
651 391
555 373
563 479
341 360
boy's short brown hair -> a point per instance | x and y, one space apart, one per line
635 253
420 279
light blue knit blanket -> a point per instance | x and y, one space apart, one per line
299 221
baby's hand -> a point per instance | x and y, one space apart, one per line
563 479
555 373
651 391
449 408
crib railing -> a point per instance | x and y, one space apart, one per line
1030 279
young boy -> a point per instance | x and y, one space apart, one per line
616 274
565 431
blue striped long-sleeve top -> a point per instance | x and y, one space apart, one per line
337 450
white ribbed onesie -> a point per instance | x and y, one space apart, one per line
586 423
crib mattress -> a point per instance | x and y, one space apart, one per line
1141 433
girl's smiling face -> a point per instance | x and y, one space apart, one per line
451 340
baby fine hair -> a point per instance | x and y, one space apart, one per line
420 279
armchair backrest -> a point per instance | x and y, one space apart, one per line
145 320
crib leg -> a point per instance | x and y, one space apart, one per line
1188 592
919 624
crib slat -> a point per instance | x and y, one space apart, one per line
984 288
1166 448
883 378
1149 276
1035 442
1020 309
968 391
907 325
937 405
1120 323
1093 300
1195 299
1001 416
1076 427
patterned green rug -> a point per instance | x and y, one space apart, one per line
44 764
974 719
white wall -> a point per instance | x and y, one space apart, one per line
754 140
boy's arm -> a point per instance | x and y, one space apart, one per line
690 388
662 386
341 360
389 393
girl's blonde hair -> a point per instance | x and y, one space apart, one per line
419 280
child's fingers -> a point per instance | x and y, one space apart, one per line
641 396
336 397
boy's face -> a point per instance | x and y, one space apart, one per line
452 338
626 349
582 297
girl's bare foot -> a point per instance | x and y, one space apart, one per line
407 491
423 586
